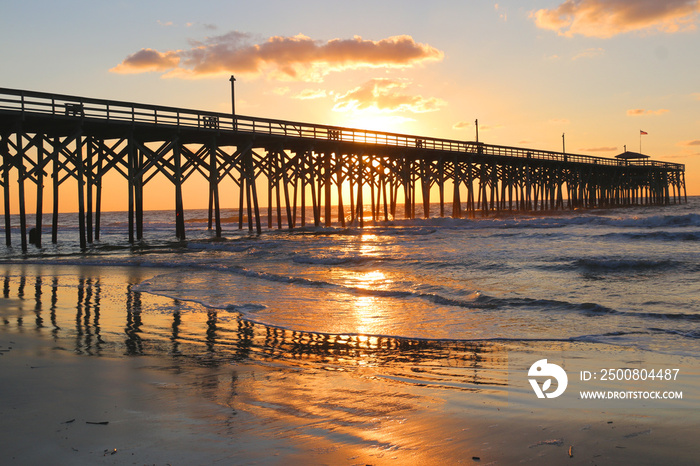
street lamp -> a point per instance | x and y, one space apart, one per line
233 102
563 144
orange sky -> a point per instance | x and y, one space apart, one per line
598 71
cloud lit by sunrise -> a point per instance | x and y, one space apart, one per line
462 125
385 95
607 18
148 60
286 58
643 112
310 94
589 53
600 149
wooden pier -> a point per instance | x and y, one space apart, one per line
61 137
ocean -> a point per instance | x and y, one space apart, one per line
454 305
627 276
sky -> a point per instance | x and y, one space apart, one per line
597 71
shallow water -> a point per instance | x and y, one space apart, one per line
626 277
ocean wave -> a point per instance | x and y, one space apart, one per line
692 334
334 259
473 300
619 265
654 236
246 308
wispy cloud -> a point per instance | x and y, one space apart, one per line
385 95
490 127
589 53
502 13
607 18
287 58
462 125
600 149
308 94
643 112
694 142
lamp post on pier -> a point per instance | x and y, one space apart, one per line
233 102
563 143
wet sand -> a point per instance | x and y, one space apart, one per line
89 375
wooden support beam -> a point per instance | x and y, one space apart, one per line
339 184
179 209
360 200
89 175
327 186
81 191
55 175
214 183
19 160
98 191
39 192
7 164
285 183
131 162
426 175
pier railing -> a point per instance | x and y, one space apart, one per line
29 102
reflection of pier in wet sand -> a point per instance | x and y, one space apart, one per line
178 381
69 309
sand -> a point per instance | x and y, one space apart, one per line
64 401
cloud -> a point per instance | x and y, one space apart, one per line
695 142
308 94
600 149
607 18
148 60
642 112
467 124
287 58
490 127
462 125
695 95
502 13
385 95
589 53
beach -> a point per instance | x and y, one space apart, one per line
404 342
79 386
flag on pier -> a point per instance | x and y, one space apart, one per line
642 132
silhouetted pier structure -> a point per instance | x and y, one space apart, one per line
44 135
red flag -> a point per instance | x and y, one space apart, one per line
642 132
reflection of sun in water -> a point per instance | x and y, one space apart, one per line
370 311
374 280
368 315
